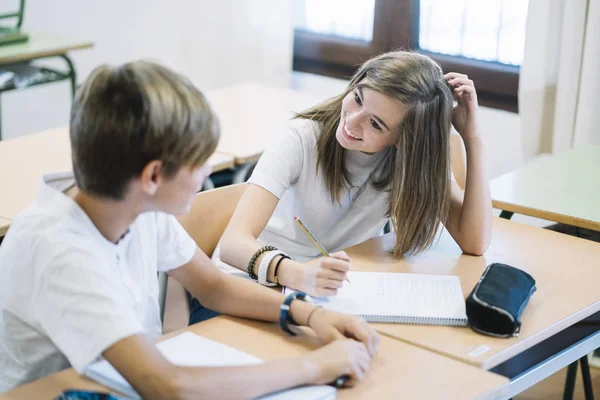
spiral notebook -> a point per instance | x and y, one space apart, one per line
400 298
189 349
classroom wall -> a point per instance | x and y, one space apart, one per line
501 131
214 43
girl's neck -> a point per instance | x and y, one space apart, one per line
360 159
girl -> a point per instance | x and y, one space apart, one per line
377 152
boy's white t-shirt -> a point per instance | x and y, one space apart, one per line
67 293
288 169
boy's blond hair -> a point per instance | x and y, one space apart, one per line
124 117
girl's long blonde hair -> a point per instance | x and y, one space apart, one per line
416 170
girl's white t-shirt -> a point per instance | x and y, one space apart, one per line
288 169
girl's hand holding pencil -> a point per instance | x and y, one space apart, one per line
325 275
319 277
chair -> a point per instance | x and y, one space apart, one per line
210 214
208 217
17 16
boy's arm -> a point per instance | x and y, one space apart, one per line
154 377
240 297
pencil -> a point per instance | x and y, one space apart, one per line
314 240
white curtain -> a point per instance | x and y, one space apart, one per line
214 43
560 76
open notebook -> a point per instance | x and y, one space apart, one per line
400 298
189 349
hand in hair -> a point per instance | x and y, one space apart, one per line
464 116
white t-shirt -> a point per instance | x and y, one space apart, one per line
288 169
67 293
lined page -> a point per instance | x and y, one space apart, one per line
399 295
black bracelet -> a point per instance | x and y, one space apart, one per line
257 254
284 311
283 257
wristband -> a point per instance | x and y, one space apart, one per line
284 312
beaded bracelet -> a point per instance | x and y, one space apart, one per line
255 256
283 257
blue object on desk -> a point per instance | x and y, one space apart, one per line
73 394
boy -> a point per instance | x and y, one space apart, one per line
78 268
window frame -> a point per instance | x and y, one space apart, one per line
396 26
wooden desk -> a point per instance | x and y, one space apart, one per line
398 370
566 269
24 160
563 188
220 161
40 46
251 114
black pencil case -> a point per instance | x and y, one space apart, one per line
497 302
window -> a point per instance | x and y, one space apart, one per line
484 40
493 30
324 17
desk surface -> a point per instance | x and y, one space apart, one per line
220 161
24 160
39 46
565 268
398 370
563 188
251 114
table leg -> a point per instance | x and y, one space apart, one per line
570 381
587 379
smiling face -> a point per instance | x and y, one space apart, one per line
369 121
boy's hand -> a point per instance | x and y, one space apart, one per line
331 325
342 357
